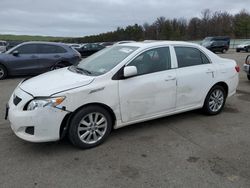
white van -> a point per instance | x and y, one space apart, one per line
3 46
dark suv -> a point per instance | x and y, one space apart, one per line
89 49
217 44
32 58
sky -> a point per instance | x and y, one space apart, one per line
74 18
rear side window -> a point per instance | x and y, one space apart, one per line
27 49
50 49
188 56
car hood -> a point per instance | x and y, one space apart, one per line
54 82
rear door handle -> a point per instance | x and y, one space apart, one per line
169 78
209 71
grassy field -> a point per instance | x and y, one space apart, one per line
30 38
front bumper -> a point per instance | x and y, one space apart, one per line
44 121
246 68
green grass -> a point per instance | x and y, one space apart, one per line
30 38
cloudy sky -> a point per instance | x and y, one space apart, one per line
87 17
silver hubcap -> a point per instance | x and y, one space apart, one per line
216 100
1 72
92 128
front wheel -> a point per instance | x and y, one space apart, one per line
248 76
90 126
215 100
3 72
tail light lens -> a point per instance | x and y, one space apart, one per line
237 68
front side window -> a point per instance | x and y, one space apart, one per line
105 60
27 49
188 56
152 61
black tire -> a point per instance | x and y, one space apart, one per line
247 49
59 65
223 51
206 108
237 50
82 115
248 77
3 72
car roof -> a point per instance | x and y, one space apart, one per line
43 42
149 43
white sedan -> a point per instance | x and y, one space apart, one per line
119 86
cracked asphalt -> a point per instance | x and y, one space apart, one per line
184 150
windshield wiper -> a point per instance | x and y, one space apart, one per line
83 70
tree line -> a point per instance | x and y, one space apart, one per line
210 23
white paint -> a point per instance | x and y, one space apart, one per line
132 100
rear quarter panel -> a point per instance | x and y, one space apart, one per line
227 73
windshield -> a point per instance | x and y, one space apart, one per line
105 60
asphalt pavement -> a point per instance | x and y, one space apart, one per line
184 150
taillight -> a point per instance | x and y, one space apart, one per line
237 68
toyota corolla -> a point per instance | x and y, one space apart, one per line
119 86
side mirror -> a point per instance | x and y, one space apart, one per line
129 71
15 53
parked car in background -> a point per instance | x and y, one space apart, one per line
88 100
217 44
124 41
76 46
3 46
246 66
89 49
245 46
31 58
107 44
12 44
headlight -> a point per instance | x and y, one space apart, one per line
39 103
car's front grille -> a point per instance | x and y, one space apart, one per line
16 100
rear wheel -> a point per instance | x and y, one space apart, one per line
3 72
215 100
90 126
248 76
237 50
